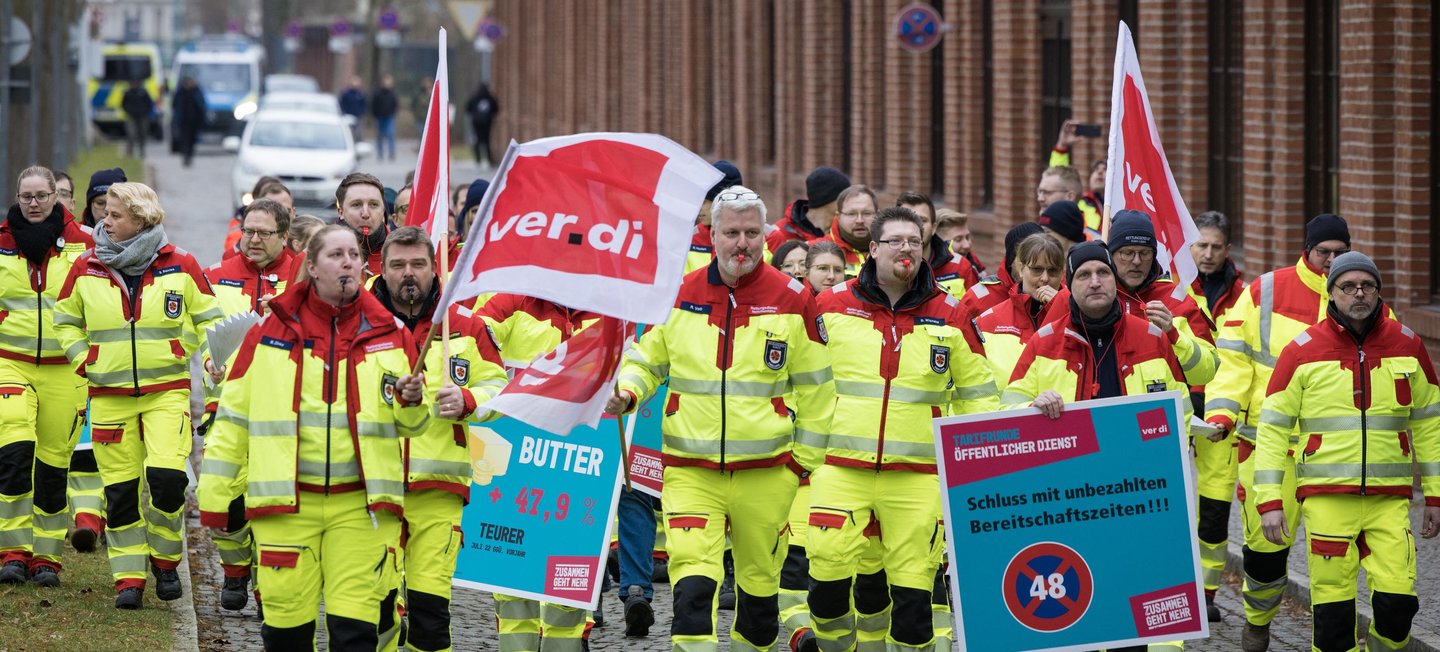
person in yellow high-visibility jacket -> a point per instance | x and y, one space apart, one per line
525 328
750 400
1274 310
903 353
130 314
1361 389
42 402
309 429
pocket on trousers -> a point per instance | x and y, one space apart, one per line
107 433
177 349
828 519
687 522
1328 547
280 556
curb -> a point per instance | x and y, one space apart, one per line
1298 589
183 624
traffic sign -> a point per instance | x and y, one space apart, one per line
19 41
919 27
1047 587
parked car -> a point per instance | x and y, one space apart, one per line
309 151
290 84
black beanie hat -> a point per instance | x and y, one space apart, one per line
1064 217
731 178
1129 227
1014 237
1326 226
1083 253
101 181
824 184
472 199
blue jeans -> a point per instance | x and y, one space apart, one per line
384 133
637 540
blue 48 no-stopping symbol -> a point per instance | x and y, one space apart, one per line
919 27
1047 587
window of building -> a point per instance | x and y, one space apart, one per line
987 105
1322 107
1129 13
1055 72
1226 76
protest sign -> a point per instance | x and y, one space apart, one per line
541 511
1071 534
645 441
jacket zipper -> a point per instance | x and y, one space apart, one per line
1364 401
885 398
39 325
330 397
725 339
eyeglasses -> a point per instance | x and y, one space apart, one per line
258 234
827 269
38 198
737 196
1134 254
65 193
867 215
898 243
1351 289
401 210
1327 253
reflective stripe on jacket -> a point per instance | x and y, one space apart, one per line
525 328
28 294
750 382
1274 310
1058 357
1363 408
135 345
440 459
286 404
896 369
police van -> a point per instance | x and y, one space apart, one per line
122 64
227 69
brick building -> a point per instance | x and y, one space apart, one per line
1270 111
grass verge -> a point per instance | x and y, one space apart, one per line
80 614
104 155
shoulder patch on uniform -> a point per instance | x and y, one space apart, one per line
1155 330
987 312
1045 331
1302 339
951 301
1405 330
463 311
820 329
980 291
837 288
796 286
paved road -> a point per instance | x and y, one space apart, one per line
197 207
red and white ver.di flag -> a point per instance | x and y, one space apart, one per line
1138 176
567 387
429 199
597 222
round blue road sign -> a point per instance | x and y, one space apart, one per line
919 27
1047 587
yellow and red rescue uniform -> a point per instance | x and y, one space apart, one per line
793 226
1366 407
895 368
525 328
438 472
1004 330
132 343
989 292
750 398
321 468
952 272
42 401
1059 357
1274 310
854 256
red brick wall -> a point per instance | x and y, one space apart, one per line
765 84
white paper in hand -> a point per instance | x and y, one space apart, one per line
226 335
1201 428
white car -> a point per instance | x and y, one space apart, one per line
310 152
319 102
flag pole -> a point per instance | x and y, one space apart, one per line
624 450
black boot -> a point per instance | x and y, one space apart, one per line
726 600
235 594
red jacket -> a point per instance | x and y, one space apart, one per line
240 273
1134 304
991 291
1136 342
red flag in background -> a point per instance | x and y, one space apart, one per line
567 387
429 199
1138 176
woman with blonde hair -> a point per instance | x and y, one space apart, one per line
132 311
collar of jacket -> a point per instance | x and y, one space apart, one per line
1311 277
867 288
1343 324
802 224
702 237
284 258
851 251
1108 325
286 307
939 252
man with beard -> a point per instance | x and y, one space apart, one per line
880 457
750 400
1367 382
952 270
851 229
360 201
